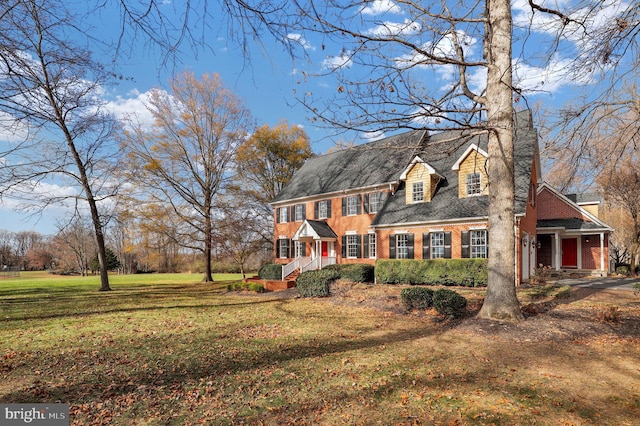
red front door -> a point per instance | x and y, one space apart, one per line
325 249
570 253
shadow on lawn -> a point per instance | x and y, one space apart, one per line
61 304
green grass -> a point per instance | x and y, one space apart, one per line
169 349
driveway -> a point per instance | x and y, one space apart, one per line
601 282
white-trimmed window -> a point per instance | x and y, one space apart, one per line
283 248
402 246
300 249
352 246
284 214
323 210
437 245
352 205
474 184
372 246
417 192
478 240
299 212
375 201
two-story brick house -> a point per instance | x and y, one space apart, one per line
421 196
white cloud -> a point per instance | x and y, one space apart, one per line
387 29
132 107
445 48
341 61
379 7
373 136
298 38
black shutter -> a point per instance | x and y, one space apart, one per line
344 246
277 248
410 254
447 245
366 203
359 208
328 208
465 244
426 246
315 210
392 246
359 247
304 212
365 246
278 215
344 206
292 213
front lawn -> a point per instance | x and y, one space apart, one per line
171 350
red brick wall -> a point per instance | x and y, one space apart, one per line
552 207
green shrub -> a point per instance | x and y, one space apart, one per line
270 271
315 283
448 302
450 272
356 272
417 298
240 286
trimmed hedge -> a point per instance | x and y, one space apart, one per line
315 283
417 298
270 271
355 272
240 286
448 302
449 272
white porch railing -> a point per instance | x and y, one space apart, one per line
307 264
292 266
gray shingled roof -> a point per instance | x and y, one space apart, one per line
365 165
569 223
384 161
441 154
322 228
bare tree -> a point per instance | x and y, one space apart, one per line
187 155
77 245
50 86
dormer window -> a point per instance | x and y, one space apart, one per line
474 184
417 192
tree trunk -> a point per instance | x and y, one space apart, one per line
208 230
501 300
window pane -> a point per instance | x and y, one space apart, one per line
352 248
478 244
417 192
284 215
437 245
402 246
374 202
322 209
372 246
473 184
352 205
299 215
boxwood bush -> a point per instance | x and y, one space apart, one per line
270 271
448 302
315 283
356 272
450 272
417 298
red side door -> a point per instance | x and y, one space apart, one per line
570 253
325 249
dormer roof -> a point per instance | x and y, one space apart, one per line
469 150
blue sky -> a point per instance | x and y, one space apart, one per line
268 80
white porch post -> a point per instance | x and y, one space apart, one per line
558 252
602 264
